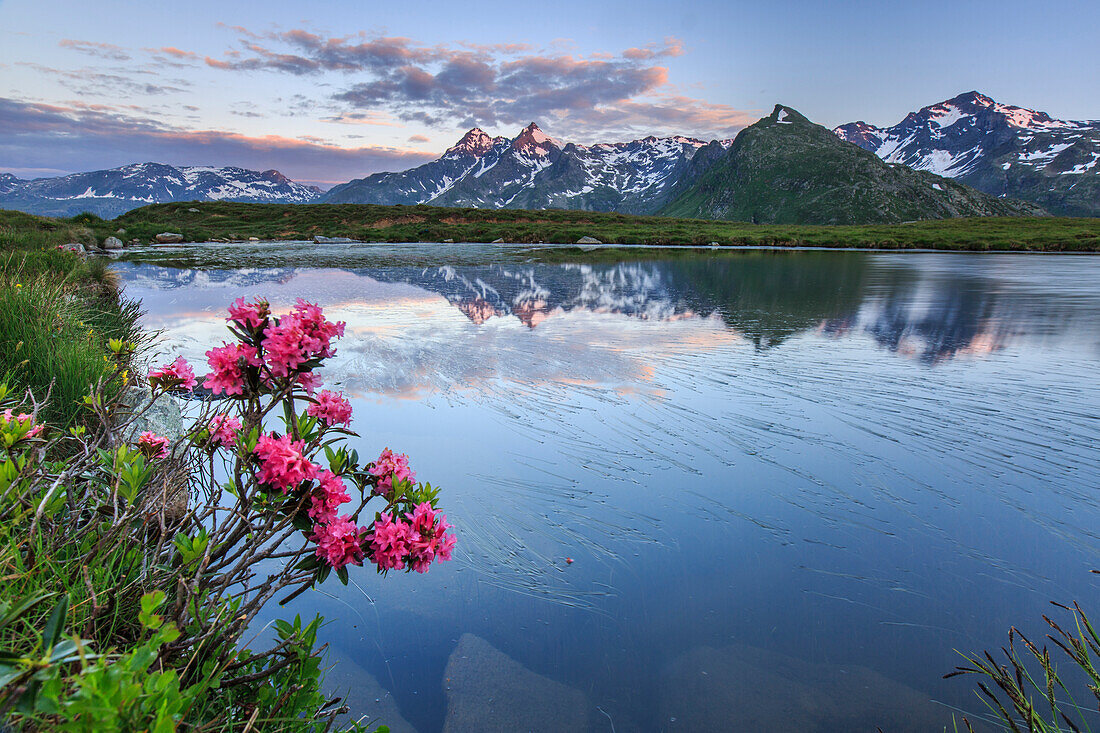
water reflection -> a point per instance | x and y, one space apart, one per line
762 500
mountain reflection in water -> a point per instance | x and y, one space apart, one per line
761 498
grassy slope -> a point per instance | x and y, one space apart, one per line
435 224
57 312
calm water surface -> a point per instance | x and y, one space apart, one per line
792 484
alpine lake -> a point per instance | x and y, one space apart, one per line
694 490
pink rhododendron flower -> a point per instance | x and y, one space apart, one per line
310 382
390 467
176 374
282 464
339 542
418 539
299 336
248 315
228 362
223 431
389 542
22 418
331 409
428 537
153 444
327 497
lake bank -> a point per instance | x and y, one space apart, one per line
198 222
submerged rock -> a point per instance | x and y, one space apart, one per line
760 691
169 238
331 240
366 699
489 692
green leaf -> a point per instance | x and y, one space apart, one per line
55 625
26 604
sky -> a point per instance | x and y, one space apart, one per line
331 90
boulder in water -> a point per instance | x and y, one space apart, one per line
169 238
489 692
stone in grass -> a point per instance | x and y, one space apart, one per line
490 692
773 692
365 698
497 241
112 243
75 247
193 211
588 240
253 239
139 413
169 238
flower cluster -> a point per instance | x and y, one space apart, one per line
153 445
249 315
223 431
282 463
276 356
331 408
177 374
272 353
390 467
229 363
339 542
22 425
299 337
417 539
327 497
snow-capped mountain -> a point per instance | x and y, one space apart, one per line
997 148
534 171
112 192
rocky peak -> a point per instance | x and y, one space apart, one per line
475 142
533 141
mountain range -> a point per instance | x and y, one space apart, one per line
109 193
967 156
535 171
1002 150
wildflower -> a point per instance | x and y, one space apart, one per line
428 537
339 542
228 362
298 337
176 374
153 445
389 542
309 381
327 497
21 420
390 467
248 315
283 466
331 409
223 431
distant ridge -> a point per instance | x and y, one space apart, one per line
111 192
999 149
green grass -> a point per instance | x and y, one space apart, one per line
220 220
57 312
